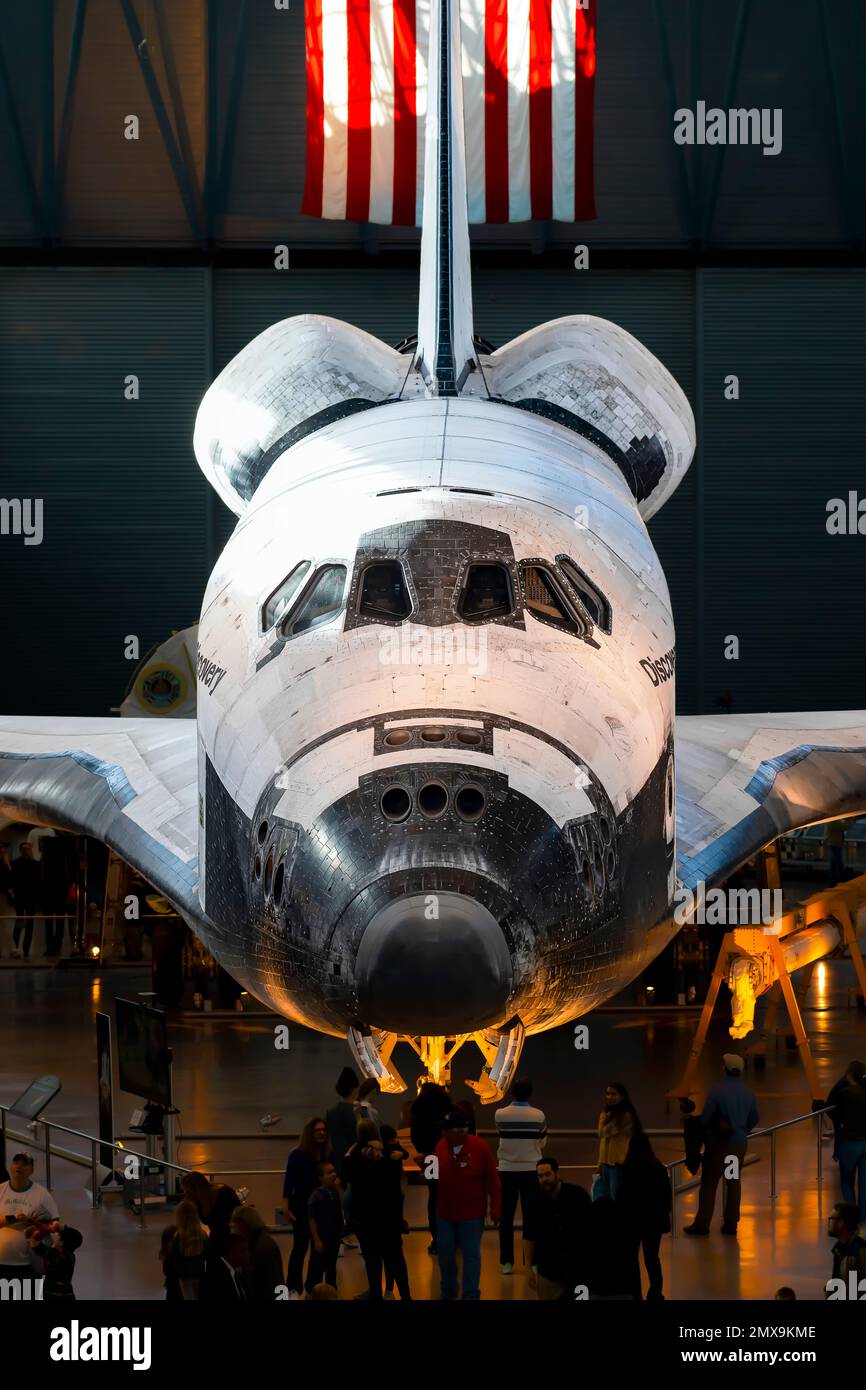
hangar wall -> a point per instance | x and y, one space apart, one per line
229 78
132 529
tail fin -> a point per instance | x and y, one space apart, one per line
445 353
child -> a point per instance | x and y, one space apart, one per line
325 1213
59 1262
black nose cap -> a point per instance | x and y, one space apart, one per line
433 963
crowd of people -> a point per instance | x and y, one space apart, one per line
346 1181
345 1184
576 1242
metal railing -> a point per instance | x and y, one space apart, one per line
70 1155
770 1131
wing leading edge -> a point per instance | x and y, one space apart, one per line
743 780
132 783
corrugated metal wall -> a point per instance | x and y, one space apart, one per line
126 513
132 529
772 574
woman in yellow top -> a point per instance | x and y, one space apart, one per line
617 1123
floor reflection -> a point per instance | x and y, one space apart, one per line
228 1074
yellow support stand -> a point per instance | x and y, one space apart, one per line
838 907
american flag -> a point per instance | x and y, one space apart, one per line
528 77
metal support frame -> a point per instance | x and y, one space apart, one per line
8 98
210 510
698 214
735 944
211 172
437 1055
683 186
220 155
67 112
181 173
833 906
770 868
700 503
841 162
758 1050
232 110
842 913
174 91
796 1017
718 976
48 159
735 61
695 31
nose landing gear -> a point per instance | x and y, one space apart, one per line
500 1047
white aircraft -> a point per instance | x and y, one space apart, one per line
435 789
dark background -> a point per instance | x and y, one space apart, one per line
156 258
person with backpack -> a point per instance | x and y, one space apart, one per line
730 1113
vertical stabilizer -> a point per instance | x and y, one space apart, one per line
445 354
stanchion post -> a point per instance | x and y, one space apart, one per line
672 1172
820 1128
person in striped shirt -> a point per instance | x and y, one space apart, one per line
522 1131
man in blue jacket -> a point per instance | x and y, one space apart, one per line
730 1113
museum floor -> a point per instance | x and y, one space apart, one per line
228 1073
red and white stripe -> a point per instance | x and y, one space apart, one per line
528 77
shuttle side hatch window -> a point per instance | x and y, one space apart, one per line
486 593
384 593
592 598
321 600
545 597
278 602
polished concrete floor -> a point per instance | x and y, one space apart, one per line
228 1074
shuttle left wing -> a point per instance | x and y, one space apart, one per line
132 783
745 779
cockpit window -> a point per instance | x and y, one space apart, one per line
384 593
486 593
592 598
546 599
321 601
276 605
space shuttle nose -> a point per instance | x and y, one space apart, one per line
433 963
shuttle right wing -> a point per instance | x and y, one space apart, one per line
745 779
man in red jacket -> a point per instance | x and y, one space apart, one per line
467 1181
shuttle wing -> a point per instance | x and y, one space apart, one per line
132 783
745 779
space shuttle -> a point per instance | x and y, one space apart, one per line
435 791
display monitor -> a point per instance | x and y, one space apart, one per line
143 1057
